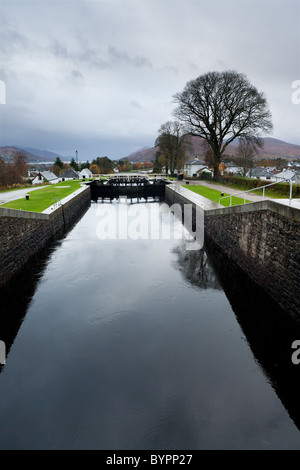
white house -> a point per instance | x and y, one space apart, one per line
191 168
205 169
232 169
285 175
46 177
85 173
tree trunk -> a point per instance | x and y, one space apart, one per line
217 159
216 171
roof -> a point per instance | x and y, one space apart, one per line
287 174
204 167
69 173
48 175
195 161
261 173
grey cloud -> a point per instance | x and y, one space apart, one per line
77 74
128 58
122 56
135 104
12 40
102 58
60 50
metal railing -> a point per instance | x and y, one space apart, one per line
257 189
56 202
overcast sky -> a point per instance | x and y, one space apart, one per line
99 76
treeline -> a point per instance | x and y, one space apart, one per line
99 165
127 166
102 165
14 172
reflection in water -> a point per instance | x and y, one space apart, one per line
269 330
196 268
132 344
16 295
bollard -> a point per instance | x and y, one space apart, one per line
2 352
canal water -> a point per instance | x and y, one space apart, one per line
120 336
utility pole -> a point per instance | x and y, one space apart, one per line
76 157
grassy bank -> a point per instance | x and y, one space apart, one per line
42 198
214 195
278 190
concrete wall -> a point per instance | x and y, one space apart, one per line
263 239
23 234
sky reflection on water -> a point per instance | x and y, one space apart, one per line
127 344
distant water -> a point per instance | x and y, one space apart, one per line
132 343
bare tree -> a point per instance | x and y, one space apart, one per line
245 154
20 166
220 107
13 172
172 143
3 172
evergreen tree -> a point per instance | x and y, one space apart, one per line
59 163
74 165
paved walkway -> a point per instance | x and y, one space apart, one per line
293 203
252 196
7 196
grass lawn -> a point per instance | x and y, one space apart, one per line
214 195
42 198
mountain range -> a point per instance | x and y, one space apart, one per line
272 149
32 154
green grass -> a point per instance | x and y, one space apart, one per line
42 198
214 195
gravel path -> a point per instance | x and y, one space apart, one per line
253 197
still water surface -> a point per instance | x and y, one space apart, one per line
133 344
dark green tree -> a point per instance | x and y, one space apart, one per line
59 163
105 165
172 144
157 166
74 165
85 165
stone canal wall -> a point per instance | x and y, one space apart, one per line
23 234
263 239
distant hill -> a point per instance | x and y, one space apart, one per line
10 152
44 154
273 148
143 155
32 154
